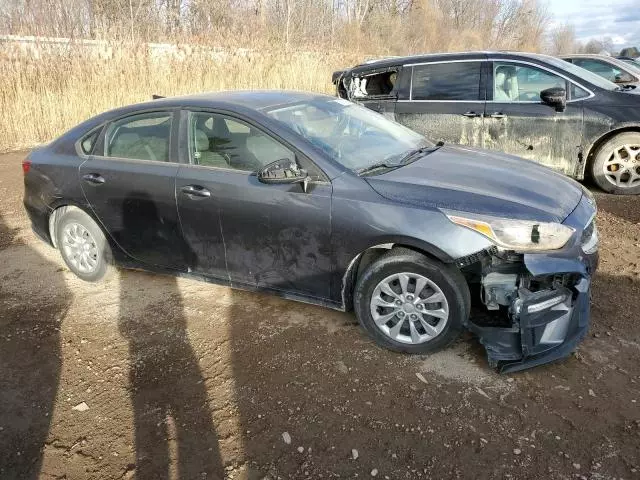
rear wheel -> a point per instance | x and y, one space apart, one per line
83 246
410 303
616 166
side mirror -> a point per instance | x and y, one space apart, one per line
623 78
283 171
555 97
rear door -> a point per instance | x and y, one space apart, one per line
517 122
258 235
129 183
446 101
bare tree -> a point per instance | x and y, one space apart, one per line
563 40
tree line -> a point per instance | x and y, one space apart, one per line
378 26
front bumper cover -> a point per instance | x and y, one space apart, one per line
539 337
548 324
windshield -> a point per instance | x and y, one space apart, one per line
351 134
580 72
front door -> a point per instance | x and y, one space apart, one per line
517 122
265 236
129 183
446 102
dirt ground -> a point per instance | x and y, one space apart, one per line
150 377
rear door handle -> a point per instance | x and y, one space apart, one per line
94 178
471 114
497 115
196 191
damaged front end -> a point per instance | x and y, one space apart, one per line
534 308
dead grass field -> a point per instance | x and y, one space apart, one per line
42 98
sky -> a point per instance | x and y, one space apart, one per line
596 19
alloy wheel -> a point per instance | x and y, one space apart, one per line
622 168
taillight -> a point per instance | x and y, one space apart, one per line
26 166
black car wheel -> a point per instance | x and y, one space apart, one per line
410 303
616 167
83 246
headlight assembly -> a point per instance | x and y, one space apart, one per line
518 235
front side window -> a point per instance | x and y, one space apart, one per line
577 93
141 137
446 81
522 83
350 134
605 70
224 142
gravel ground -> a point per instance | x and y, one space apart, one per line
147 376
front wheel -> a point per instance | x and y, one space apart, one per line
616 166
410 303
83 246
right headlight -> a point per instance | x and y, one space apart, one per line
518 235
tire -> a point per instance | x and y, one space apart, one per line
447 279
605 165
74 230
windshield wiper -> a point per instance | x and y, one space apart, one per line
412 155
377 166
407 158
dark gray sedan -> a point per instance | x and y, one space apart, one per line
320 200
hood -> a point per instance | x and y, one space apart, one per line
481 182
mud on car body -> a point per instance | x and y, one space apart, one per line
535 106
318 199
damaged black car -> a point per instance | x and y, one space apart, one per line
534 106
320 200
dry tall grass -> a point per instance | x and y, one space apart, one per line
41 98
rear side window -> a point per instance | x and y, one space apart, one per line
446 81
140 137
89 142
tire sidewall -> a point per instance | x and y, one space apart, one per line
440 274
603 155
105 261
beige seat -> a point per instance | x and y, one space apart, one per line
505 85
204 156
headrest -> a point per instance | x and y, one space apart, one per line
202 141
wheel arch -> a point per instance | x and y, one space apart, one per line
60 208
593 148
362 260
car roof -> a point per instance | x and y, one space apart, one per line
250 99
450 56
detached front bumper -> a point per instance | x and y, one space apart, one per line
551 314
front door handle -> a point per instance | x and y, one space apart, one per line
497 115
196 191
471 114
94 178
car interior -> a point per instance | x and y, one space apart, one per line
143 138
227 143
506 84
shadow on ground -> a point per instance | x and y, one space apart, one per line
30 363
